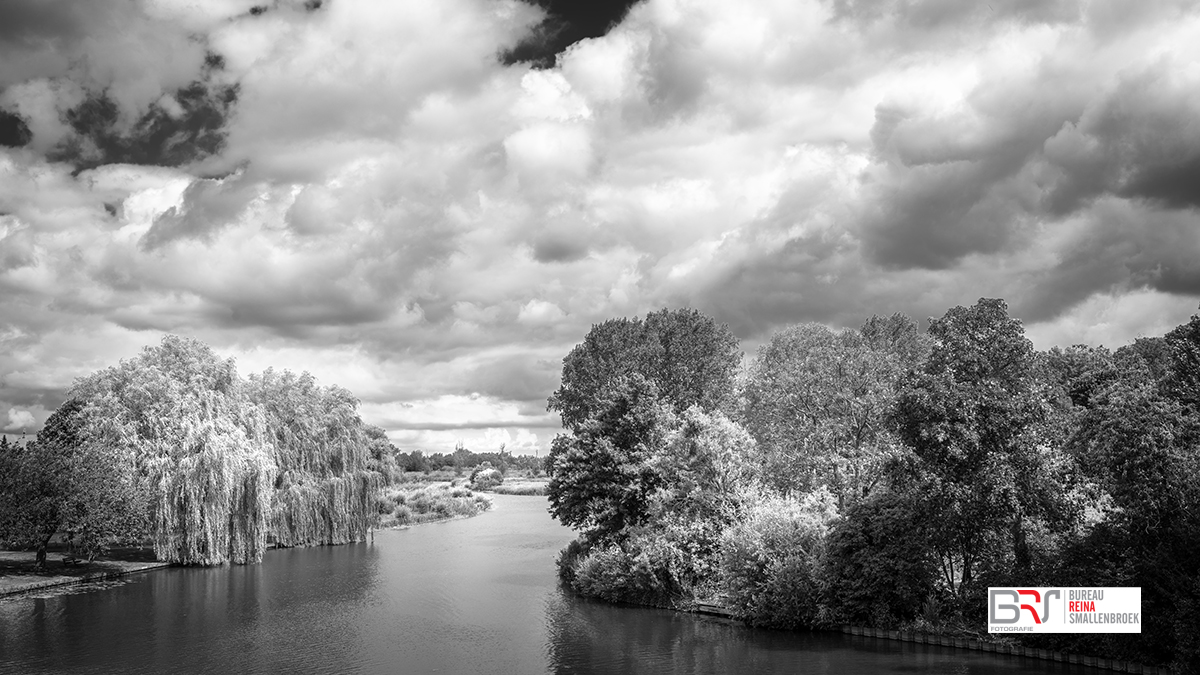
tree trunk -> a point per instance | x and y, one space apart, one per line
1024 561
40 561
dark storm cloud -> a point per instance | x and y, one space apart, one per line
944 188
13 131
1174 183
184 128
566 22
1118 245
1142 141
806 279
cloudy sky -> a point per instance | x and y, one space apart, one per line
430 203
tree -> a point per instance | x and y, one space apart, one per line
974 417
61 482
198 444
1081 372
706 462
880 569
690 358
602 475
1140 444
1182 349
817 402
326 459
898 335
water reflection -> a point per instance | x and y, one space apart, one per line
256 618
468 597
591 638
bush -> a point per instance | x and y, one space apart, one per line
879 571
770 565
425 504
484 478
645 570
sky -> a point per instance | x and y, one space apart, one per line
430 203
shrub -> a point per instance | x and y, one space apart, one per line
644 570
879 571
424 504
770 565
484 478
524 489
669 565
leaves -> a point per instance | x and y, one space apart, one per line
817 403
690 358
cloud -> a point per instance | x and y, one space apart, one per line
430 204
18 421
564 23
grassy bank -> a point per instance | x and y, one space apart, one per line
416 503
521 486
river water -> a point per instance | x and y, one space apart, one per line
463 597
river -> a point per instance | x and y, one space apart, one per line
463 597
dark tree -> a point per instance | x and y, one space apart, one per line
602 476
975 417
62 483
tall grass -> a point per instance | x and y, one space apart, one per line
523 489
415 505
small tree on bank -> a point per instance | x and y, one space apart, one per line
60 482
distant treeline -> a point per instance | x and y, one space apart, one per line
884 476
173 446
463 458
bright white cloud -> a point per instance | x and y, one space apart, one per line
19 421
398 213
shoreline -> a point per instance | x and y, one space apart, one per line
14 584
958 642
975 644
11 585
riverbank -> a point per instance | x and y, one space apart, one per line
417 504
1005 647
17 573
421 504
521 487
995 646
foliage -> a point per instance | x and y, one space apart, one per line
975 418
690 359
485 477
644 569
323 455
771 560
602 476
703 468
401 507
817 403
1140 443
60 483
879 567
899 336
198 443
1081 372
214 464
960 459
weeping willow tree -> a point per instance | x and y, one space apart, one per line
200 445
225 462
324 490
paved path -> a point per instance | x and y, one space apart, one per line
16 575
